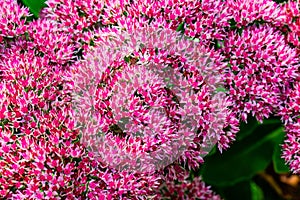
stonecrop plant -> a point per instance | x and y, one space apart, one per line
147 99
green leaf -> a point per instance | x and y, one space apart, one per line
232 23
127 59
269 192
238 191
272 121
35 6
252 124
180 28
244 159
125 13
213 151
247 128
246 190
279 165
221 89
256 191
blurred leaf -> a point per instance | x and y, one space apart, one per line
272 121
278 162
213 150
238 191
246 190
34 6
244 158
279 165
252 124
221 89
247 128
269 192
180 28
256 191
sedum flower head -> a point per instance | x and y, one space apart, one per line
261 65
13 19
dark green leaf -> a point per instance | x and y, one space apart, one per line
243 160
180 28
213 151
257 193
269 192
35 6
246 190
221 89
252 124
247 128
239 191
125 13
278 162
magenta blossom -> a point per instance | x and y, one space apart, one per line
260 66
122 80
12 19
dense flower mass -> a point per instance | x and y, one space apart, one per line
261 66
291 146
12 19
181 185
194 112
291 11
50 42
121 99
290 114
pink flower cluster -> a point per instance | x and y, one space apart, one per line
136 91
13 19
254 56
181 186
